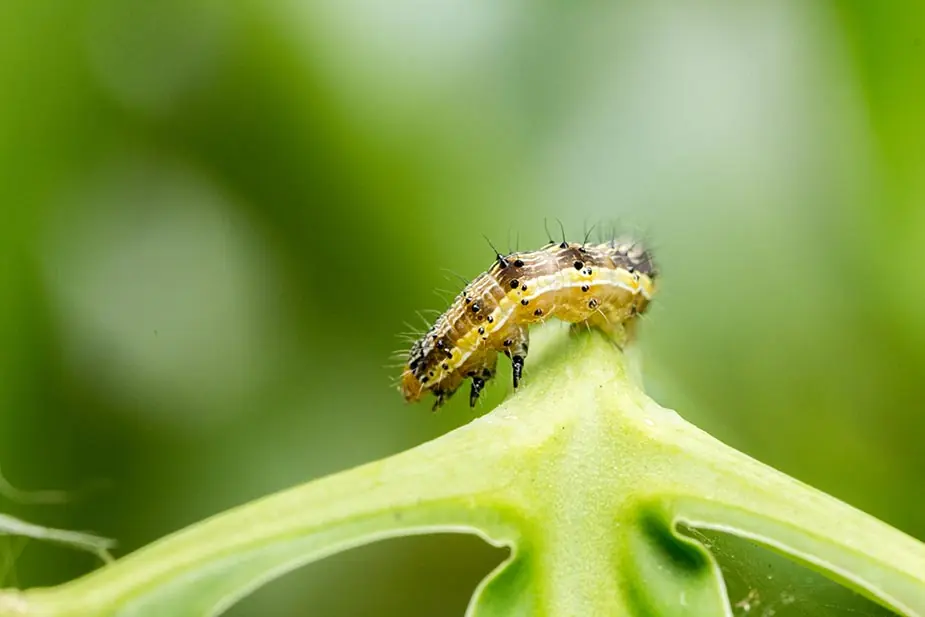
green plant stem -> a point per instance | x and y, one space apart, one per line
580 473
10 525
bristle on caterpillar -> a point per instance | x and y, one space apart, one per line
605 286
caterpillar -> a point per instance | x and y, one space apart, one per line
601 285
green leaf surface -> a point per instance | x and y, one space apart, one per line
580 473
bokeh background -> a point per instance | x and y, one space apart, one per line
216 217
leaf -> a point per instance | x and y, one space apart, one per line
585 477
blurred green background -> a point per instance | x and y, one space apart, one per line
216 217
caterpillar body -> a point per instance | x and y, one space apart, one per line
602 285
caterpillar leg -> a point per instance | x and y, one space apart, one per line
479 379
477 384
618 332
442 397
515 348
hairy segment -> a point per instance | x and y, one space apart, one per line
605 286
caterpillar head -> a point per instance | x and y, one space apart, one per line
411 387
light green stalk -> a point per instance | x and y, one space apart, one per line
580 473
